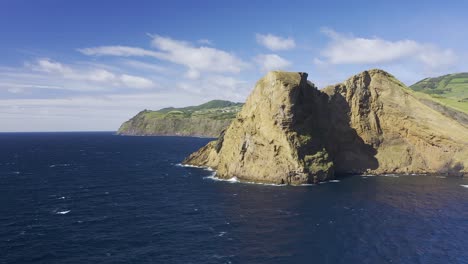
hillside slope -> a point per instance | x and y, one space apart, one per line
449 91
206 120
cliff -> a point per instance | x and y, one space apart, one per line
399 134
206 120
290 132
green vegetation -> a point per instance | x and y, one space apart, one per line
207 120
449 90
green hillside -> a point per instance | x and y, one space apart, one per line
206 120
450 90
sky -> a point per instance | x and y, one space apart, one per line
91 65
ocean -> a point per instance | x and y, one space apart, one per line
101 198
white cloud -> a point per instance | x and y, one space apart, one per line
15 90
146 66
205 41
93 75
192 74
93 113
268 62
216 86
135 81
47 65
123 51
197 59
347 49
275 43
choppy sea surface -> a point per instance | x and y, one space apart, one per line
101 198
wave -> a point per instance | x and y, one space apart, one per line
236 180
463 185
214 178
193 166
59 165
390 175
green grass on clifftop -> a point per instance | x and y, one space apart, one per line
450 90
207 119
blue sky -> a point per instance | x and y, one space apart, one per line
90 65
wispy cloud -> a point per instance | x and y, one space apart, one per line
205 41
123 51
347 49
92 75
275 43
268 62
197 59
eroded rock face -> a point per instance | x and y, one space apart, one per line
290 132
270 140
397 132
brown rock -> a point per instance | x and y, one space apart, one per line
288 131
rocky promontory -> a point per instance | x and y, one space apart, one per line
290 132
205 120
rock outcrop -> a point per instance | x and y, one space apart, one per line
290 132
401 134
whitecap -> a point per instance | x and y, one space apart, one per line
214 178
193 166
441 177
466 186
221 234
236 180
233 179
59 165
63 212
188 166
334 180
390 175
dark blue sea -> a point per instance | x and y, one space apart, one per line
101 198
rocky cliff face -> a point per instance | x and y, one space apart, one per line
397 132
270 139
290 132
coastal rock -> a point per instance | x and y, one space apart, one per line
399 133
270 139
290 132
